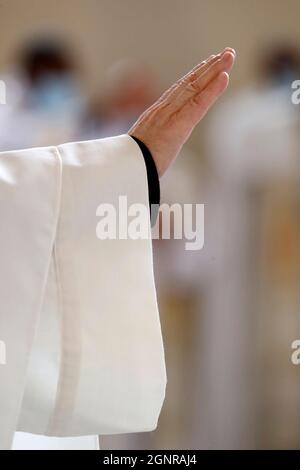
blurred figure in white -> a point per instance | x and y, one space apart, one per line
129 89
253 300
44 97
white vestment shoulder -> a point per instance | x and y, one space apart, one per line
79 316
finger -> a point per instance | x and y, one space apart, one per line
170 98
170 95
196 73
222 64
201 68
208 62
179 84
211 93
196 108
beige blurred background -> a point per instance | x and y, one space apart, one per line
231 311
169 35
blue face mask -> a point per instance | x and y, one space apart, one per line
286 76
56 94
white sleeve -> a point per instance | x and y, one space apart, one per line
79 317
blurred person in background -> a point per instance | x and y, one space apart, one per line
44 95
253 299
128 89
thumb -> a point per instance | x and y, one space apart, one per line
196 108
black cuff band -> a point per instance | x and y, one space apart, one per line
153 180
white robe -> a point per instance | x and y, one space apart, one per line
78 316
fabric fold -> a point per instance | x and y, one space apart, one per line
96 365
30 185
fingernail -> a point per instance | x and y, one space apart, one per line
230 49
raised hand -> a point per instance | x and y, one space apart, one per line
168 123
